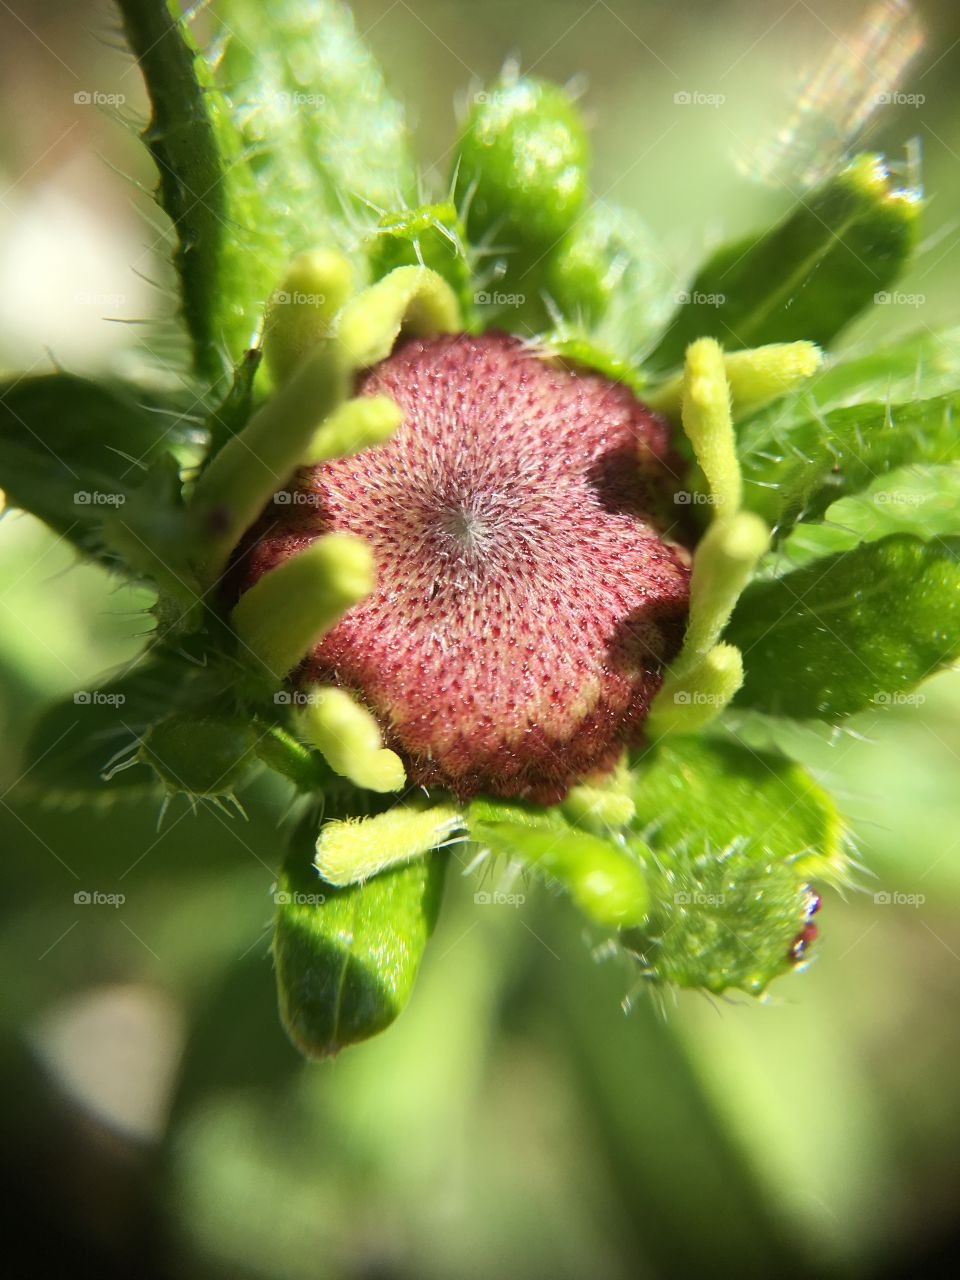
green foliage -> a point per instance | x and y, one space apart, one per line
732 836
854 630
798 469
285 169
264 149
202 755
80 739
807 277
522 164
431 235
73 452
346 959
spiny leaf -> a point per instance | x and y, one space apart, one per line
323 136
75 740
72 452
733 836
922 500
809 275
851 631
796 472
347 959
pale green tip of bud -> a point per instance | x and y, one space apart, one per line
356 424
284 614
302 307
357 848
692 697
754 376
413 299
707 420
348 737
604 804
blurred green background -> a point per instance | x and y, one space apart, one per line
515 1121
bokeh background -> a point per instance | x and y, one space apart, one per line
515 1122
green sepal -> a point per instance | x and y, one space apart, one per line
82 749
347 959
796 470
607 280
200 754
431 235
850 631
72 452
734 836
808 276
708 794
603 879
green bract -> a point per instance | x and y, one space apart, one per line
306 245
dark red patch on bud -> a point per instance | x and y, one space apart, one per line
527 594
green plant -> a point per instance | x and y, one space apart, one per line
304 253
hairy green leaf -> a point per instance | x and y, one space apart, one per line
81 737
797 471
733 836
347 959
854 630
809 275
73 452
922 500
